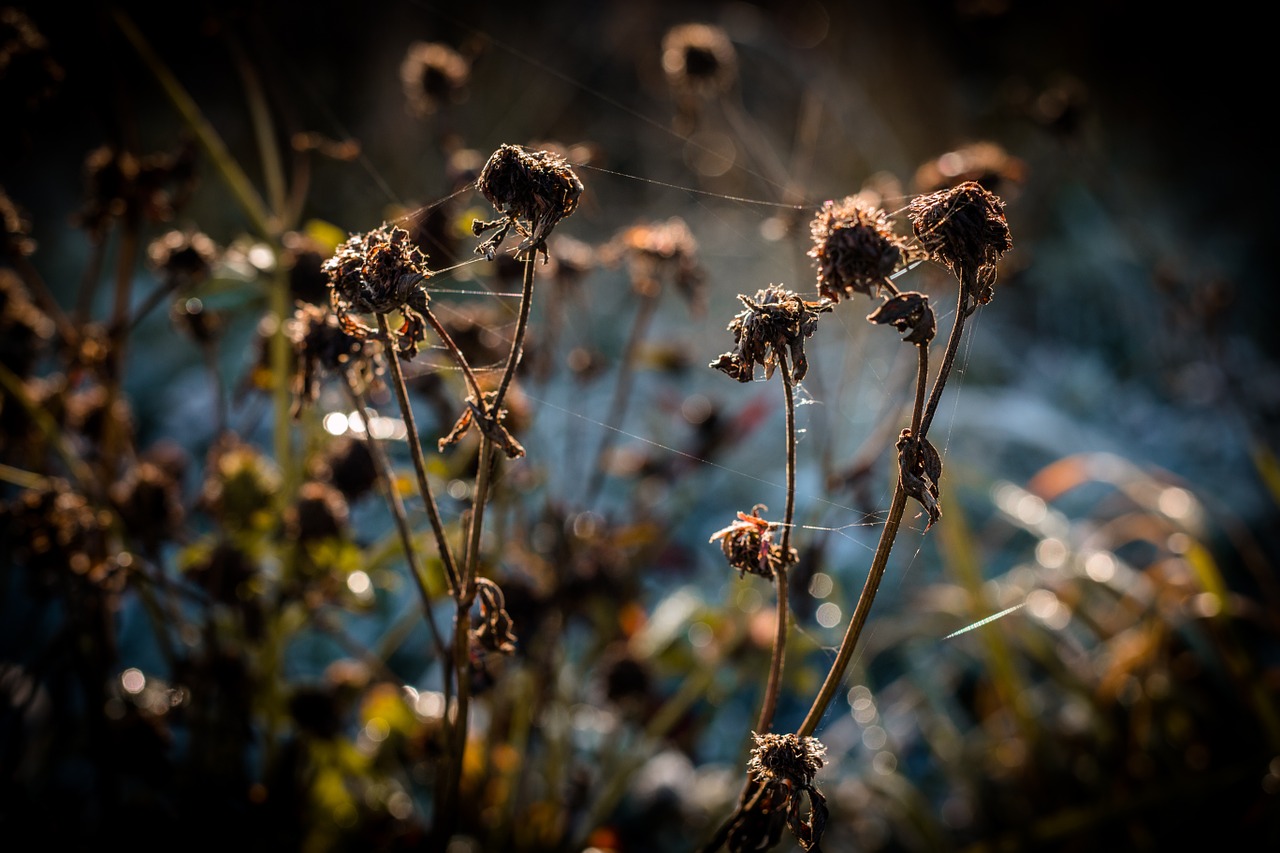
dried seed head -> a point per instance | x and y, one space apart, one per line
183 257
433 75
789 758
776 321
656 252
304 258
377 273
322 345
854 248
985 163
58 534
908 312
149 500
153 187
699 59
241 484
533 190
749 547
964 228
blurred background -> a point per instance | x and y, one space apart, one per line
1109 436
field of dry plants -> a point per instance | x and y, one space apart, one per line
626 427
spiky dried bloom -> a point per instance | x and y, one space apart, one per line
658 251
749 547
432 74
986 163
377 273
855 249
776 321
699 59
533 190
965 229
782 767
322 345
348 466
183 257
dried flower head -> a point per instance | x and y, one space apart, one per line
347 465
658 251
149 500
183 257
908 312
494 633
855 249
154 187
749 547
782 767
304 258
377 273
986 163
488 422
322 345
241 484
433 74
964 228
776 321
699 59
61 534
533 190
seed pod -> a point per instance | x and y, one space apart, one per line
774 321
965 229
533 190
855 249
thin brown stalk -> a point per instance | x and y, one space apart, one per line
419 460
963 309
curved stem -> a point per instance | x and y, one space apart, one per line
774 684
963 309
382 467
473 385
419 461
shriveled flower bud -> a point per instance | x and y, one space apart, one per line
488 422
908 312
749 547
433 74
855 249
660 251
776 320
965 229
533 190
377 273
494 633
920 469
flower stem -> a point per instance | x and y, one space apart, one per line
963 310
415 450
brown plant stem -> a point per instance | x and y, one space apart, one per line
415 451
621 392
774 684
473 384
963 309
382 468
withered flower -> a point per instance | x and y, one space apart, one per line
304 258
908 312
241 484
488 422
494 633
322 346
965 229
658 251
347 465
699 59
154 187
182 257
983 162
749 547
533 190
855 249
432 74
61 534
149 500
920 469
775 321
377 273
